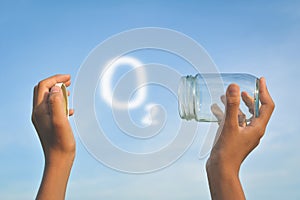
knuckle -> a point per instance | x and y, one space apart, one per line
229 126
36 113
232 103
232 100
261 133
40 84
256 143
272 105
260 130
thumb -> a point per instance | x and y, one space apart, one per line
232 105
56 104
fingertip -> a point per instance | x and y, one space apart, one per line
55 89
69 76
223 99
244 93
246 96
217 111
262 82
68 83
233 90
262 79
71 112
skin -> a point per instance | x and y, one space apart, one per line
55 134
235 140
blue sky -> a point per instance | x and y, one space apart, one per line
39 39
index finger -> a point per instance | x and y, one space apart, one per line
45 85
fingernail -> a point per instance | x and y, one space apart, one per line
55 89
233 91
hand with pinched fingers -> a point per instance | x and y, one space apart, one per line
49 117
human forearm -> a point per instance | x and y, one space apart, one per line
223 181
55 177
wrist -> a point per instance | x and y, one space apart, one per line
218 164
57 158
223 179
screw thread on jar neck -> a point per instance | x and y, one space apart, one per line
186 97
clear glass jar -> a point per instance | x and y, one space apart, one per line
197 94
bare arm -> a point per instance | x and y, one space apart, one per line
55 134
234 143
